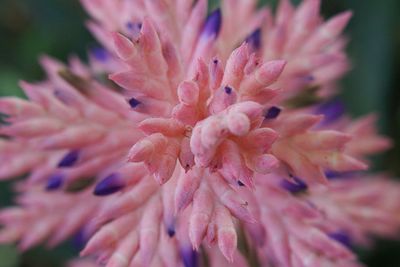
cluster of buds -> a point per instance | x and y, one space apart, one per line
187 136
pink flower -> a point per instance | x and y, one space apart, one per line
209 132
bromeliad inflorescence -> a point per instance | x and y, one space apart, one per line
186 132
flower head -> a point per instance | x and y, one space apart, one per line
207 131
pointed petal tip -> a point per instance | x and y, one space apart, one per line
123 45
84 253
346 15
227 242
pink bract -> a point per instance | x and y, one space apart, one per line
188 135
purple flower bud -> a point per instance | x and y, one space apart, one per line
228 90
100 54
212 26
295 186
63 96
133 102
109 185
341 237
69 159
254 39
171 231
331 175
309 78
332 110
130 25
79 240
134 26
55 182
272 113
240 183
189 258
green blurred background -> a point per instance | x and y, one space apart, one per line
29 28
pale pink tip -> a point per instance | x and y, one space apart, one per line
227 241
188 93
165 170
269 72
265 163
198 226
238 124
141 151
337 24
123 46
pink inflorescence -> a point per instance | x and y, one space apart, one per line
197 140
